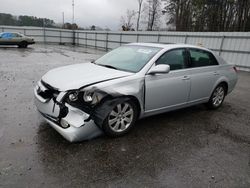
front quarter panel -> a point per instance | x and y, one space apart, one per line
132 86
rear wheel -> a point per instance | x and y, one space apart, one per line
121 119
217 97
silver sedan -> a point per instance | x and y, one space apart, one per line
13 38
131 82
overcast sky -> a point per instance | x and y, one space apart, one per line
87 12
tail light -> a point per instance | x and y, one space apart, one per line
235 69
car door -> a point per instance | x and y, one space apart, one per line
5 38
16 38
167 91
204 74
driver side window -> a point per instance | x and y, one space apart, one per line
174 58
15 35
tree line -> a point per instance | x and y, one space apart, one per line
179 15
8 19
189 15
209 15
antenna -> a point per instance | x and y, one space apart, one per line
73 11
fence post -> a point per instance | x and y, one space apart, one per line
2 29
120 38
74 38
78 40
24 31
137 37
221 44
95 40
107 36
60 35
86 34
44 37
186 37
158 38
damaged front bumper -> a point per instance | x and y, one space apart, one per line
72 123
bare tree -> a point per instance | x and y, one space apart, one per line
139 13
181 13
154 13
127 21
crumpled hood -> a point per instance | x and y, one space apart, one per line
79 75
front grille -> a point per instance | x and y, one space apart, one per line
47 91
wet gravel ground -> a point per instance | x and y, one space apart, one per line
193 147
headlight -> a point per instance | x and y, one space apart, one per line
92 97
73 96
88 96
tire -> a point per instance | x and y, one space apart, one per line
217 97
121 119
23 44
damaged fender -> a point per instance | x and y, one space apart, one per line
106 97
101 112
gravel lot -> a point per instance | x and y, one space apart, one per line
193 147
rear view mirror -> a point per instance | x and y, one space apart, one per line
160 69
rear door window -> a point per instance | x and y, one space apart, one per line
201 58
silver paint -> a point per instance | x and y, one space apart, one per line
154 93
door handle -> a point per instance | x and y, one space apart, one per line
216 73
185 78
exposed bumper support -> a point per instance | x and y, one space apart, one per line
78 129
76 134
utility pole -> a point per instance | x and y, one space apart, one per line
73 21
63 19
73 11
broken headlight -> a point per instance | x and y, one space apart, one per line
87 96
73 96
92 97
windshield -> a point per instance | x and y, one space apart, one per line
128 58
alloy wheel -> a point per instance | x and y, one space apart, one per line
218 96
121 117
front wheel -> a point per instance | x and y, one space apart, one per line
121 119
23 44
217 97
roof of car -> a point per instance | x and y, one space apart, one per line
169 46
10 33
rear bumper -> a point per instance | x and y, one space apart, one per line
78 129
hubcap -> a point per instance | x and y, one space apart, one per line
218 96
121 117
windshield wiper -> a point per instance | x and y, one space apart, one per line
108 66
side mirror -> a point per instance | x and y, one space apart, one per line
160 69
92 60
